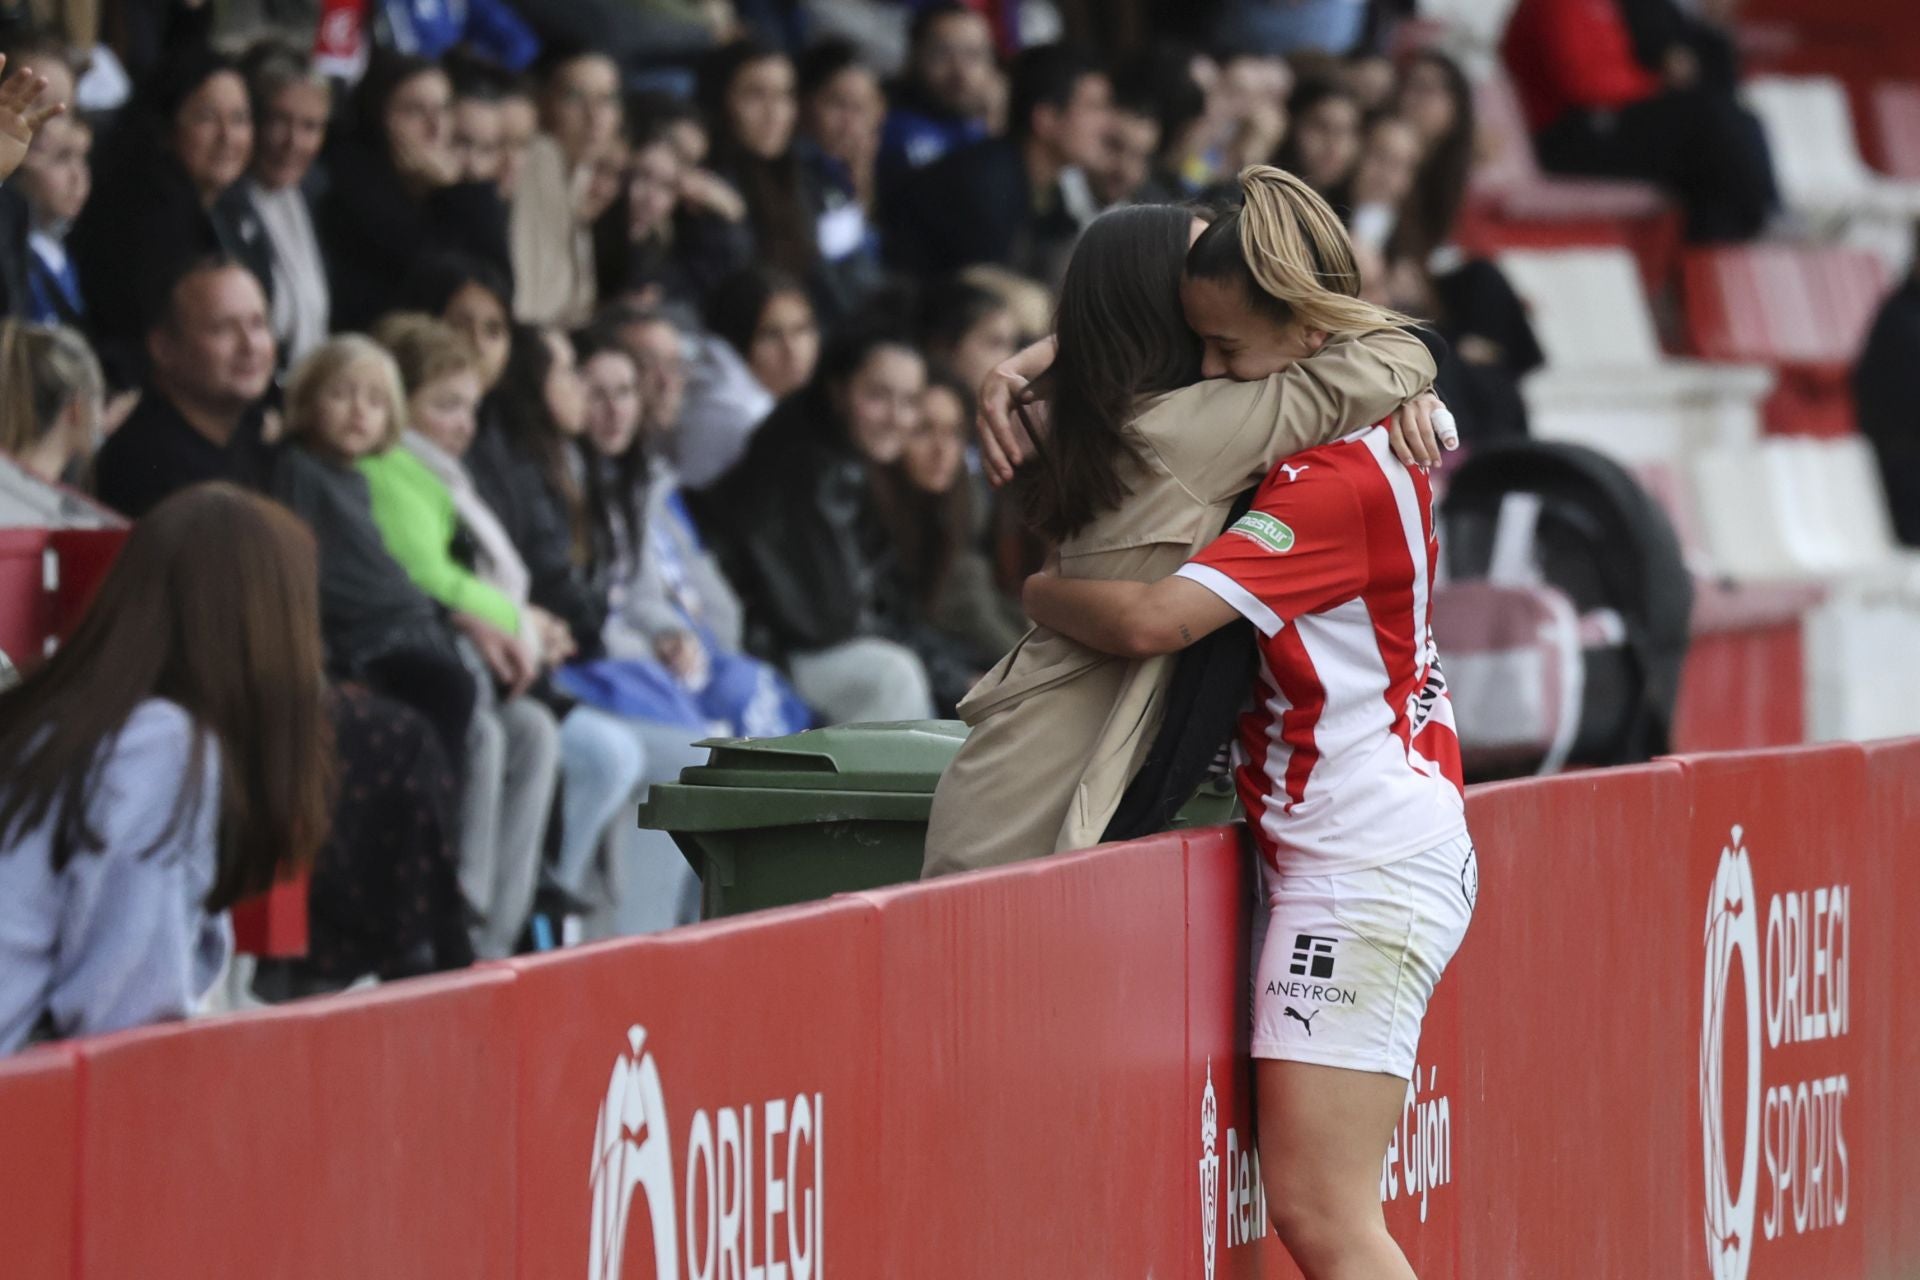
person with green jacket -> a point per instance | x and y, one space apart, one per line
453 545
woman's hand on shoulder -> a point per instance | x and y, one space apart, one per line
1007 411
1419 429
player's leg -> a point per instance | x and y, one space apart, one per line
1323 1134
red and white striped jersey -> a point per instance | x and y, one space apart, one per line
1349 758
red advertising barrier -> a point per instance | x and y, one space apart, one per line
1578 1060
704 1103
1673 1045
39 1162
997 993
363 1136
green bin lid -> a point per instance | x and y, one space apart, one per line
907 756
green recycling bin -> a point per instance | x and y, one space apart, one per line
772 821
768 822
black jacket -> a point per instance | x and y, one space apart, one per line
155 453
373 232
142 226
977 205
535 518
15 258
794 527
1886 383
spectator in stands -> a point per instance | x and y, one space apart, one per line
52 399
968 330
479 123
1436 100
1383 182
1468 300
169 760
554 201
1193 118
519 125
842 108
1685 42
794 527
396 192
344 403
210 354
53 185
766 315
1323 136
947 96
1886 386
291 103
1594 108
380 629
476 300
943 586
669 600
169 192
452 544
1124 174
635 250
701 402
522 462
750 96
1003 200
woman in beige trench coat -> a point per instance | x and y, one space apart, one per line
1057 730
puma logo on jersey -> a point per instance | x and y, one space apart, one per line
1306 1022
1293 472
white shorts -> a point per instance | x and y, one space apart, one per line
1349 961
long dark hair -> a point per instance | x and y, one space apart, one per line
1308 94
213 605
775 190
1122 336
386 73
927 531
1440 187
435 279
520 401
614 489
737 304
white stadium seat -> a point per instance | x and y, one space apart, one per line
1606 383
1817 163
1805 508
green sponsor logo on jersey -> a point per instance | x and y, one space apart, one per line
1264 529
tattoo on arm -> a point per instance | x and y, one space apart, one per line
1186 636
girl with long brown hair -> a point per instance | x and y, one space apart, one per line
172 758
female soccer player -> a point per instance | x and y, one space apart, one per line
1349 771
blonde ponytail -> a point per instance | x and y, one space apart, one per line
1298 254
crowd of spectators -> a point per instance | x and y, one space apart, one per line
622 371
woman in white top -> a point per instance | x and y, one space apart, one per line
172 758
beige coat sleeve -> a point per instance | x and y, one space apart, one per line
1217 437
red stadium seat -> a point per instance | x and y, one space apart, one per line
1802 309
1896 112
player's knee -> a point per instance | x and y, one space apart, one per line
1316 1227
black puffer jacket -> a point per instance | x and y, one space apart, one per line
794 527
535 517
